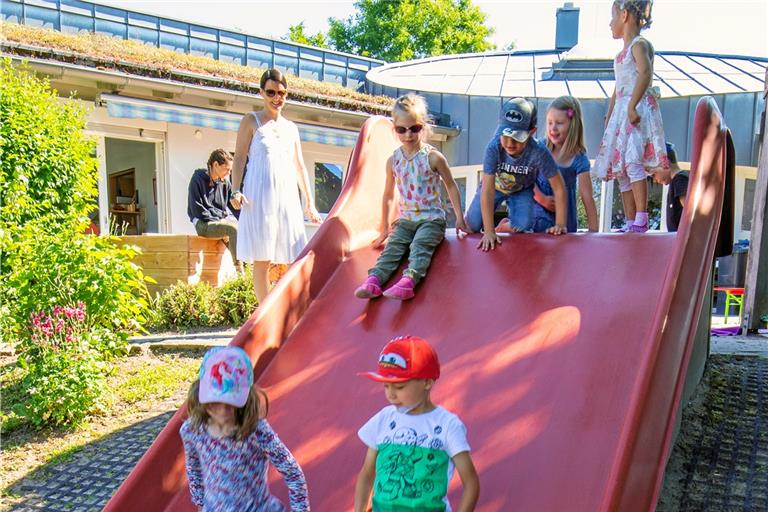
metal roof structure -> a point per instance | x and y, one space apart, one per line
552 73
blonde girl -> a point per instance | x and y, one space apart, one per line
633 144
228 443
416 168
565 140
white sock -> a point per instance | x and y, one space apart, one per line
641 219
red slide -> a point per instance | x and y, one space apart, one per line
564 356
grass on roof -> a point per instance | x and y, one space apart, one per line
123 54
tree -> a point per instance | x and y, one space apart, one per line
297 34
397 30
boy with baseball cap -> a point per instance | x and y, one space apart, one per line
513 160
413 445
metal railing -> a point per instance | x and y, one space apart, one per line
73 16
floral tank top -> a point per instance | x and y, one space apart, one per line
418 185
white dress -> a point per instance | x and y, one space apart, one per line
271 226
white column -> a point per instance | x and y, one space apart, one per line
606 206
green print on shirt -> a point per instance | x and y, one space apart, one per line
409 478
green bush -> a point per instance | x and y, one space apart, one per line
50 268
187 305
48 185
65 373
237 300
47 168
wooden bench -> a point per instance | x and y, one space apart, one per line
188 258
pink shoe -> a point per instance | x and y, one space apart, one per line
369 289
401 290
638 228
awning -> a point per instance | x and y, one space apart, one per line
134 108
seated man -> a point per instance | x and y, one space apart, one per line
678 188
210 195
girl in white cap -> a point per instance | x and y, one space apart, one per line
228 443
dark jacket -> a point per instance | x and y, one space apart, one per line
208 200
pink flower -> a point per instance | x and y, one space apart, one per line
616 157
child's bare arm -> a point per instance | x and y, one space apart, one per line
438 162
544 200
242 145
561 205
364 483
470 482
585 190
642 53
490 238
386 205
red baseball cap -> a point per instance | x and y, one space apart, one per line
406 358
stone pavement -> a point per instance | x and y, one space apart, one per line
719 463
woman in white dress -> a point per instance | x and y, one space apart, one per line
271 227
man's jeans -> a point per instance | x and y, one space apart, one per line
220 228
519 206
421 237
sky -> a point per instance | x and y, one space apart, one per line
713 26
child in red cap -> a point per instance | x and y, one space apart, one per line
413 445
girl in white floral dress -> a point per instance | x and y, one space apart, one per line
633 146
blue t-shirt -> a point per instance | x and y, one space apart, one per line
516 174
579 165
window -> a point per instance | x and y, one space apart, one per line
749 200
328 179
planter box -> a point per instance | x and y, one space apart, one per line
188 258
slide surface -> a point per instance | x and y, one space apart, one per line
564 356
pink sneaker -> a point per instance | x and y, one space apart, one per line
401 290
369 289
638 228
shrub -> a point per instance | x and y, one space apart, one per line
46 164
50 268
237 300
187 305
64 372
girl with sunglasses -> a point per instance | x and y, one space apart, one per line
271 227
416 168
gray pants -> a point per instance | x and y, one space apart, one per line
421 238
220 228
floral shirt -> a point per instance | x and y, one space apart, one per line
418 185
227 475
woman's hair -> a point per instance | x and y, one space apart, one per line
415 106
640 9
219 156
255 408
273 74
574 139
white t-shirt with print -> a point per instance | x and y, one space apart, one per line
414 463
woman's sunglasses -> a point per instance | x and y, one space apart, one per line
413 129
271 93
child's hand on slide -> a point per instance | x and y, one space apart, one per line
557 230
461 228
380 239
